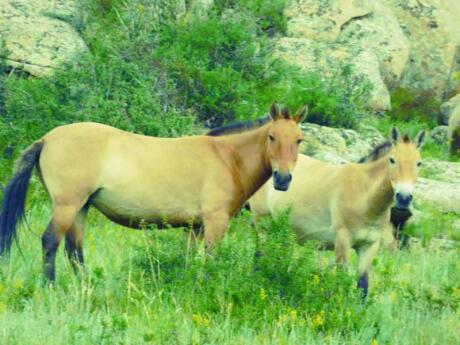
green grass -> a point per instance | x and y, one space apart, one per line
150 287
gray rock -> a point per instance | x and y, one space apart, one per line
438 135
37 39
448 107
328 58
337 145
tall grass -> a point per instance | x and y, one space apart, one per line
150 287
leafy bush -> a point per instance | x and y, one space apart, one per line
154 70
410 105
283 282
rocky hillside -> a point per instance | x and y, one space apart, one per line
413 44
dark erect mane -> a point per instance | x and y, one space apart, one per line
377 153
239 127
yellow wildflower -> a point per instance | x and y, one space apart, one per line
455 292
229 307
262 294
17 283
282 319
200 320
374 342
293 314
316 279
318 320
393 296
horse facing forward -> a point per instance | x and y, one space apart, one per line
135 179
348 206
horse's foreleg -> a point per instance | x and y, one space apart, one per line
63 217
366 255
215 226
342 246
74 240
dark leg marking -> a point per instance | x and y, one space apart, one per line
74 252
363 284
50 244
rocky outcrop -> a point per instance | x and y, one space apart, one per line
327 59
433 30
409 43
447 108
337 145
37 35
453 132
380 33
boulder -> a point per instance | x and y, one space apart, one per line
322 20
414 44
438 135
453 132
337 145
440 194
380 33
328 58
448 107
37 36
433 30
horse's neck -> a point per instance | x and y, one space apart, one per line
380 190
249 160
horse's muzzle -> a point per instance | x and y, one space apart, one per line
281 181
403 200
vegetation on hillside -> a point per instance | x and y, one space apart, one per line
151 288
155 70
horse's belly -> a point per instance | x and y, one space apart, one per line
313 232
313 228
134 212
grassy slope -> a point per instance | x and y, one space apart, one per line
415 294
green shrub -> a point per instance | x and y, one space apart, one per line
152 70
409 105
284 282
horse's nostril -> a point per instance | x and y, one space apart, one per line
398 195
275 174
290 177
410 197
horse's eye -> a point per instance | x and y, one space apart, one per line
271 137
299 141
392 160
419 164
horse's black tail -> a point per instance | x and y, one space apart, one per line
14 196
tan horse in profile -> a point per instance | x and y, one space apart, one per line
348 206
135 179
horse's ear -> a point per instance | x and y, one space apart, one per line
420 139
274 111
285 113
394 135
301 114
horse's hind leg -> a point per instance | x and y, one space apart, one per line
74 240
62 220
